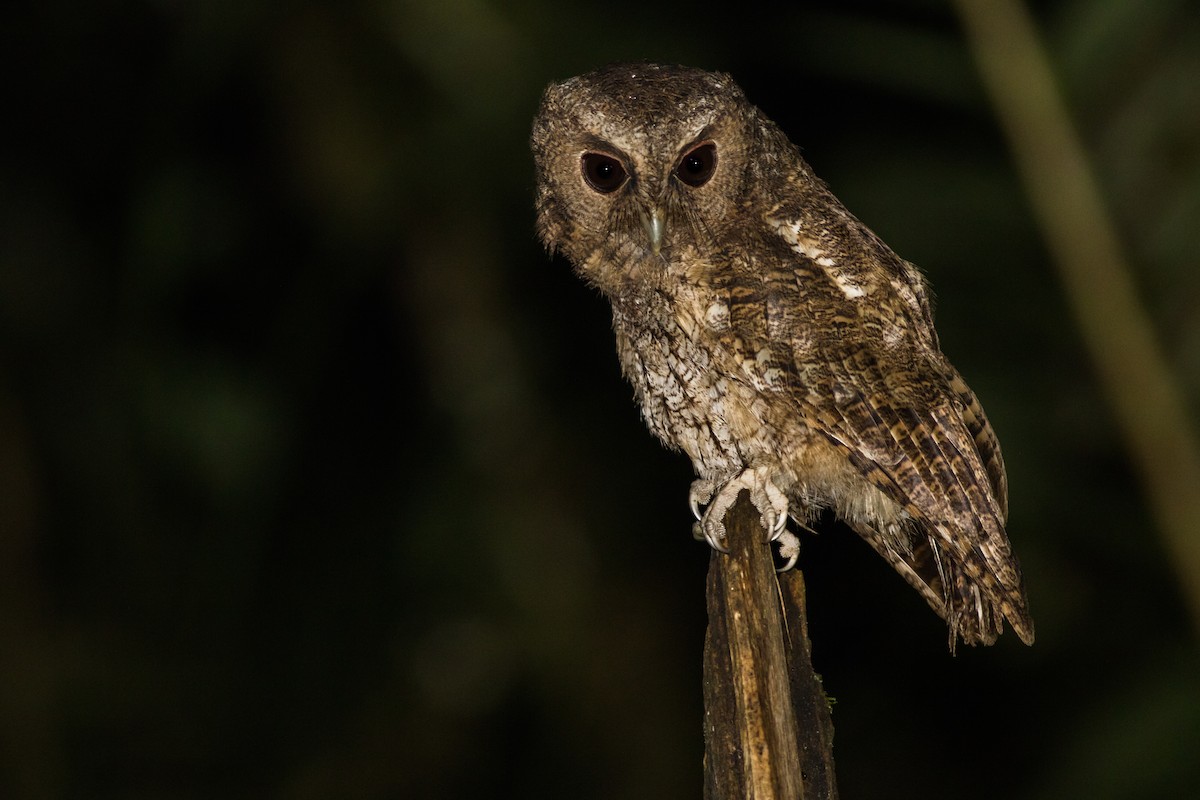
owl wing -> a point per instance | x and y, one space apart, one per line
909 437
863 367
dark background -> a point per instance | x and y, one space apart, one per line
319 478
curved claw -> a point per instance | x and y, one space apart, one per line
789 548
771 522
715 542
779 526
774 507
695 507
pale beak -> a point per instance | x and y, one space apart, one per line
653 223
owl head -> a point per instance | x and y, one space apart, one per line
637 162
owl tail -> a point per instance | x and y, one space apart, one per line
973 612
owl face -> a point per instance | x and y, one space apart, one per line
637 162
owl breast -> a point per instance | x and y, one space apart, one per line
680 372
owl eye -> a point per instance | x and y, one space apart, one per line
603 173
698 165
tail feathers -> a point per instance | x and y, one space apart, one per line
974 610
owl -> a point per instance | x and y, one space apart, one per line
772 337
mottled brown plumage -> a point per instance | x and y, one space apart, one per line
771 336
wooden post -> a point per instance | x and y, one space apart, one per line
768 733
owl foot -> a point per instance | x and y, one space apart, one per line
764 494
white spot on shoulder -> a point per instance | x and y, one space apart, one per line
849 288
790 231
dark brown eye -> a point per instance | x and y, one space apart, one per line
698 165
603 173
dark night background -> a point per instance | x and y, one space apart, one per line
320 479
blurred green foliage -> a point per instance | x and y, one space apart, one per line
320 480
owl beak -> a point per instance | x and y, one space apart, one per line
653 223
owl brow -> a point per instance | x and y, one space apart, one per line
704 135
595 143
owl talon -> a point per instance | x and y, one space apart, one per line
698 495
771 503
780 527
716 542
789 549
775 516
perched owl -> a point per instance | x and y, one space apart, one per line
771 336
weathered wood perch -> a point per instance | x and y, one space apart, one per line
768 732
